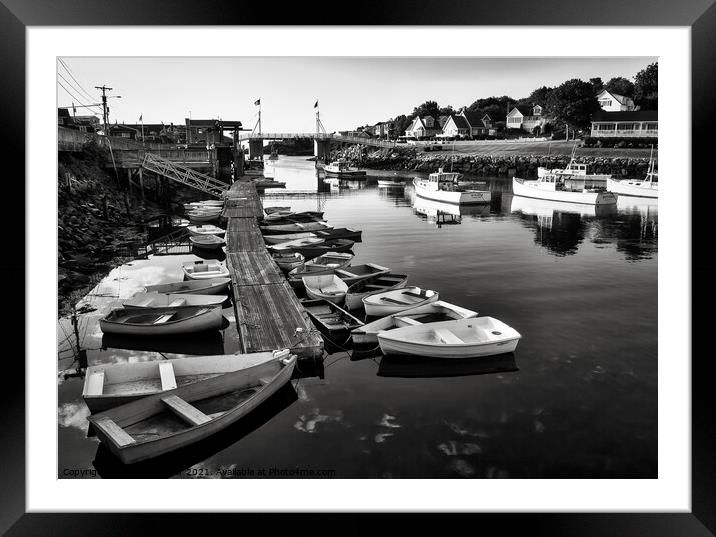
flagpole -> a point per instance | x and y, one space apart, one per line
142 117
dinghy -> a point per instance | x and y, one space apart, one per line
204 270
303 216
110 385
207 229
372 285
329 318
314 250
287 237
161 321
296 227
170 420
427 313
463 338
211 286
290 246
274 210
326 286
341 259
160 300
356 273
203 216
388 302
208 242
289 261
338 233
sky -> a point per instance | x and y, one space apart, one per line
350 91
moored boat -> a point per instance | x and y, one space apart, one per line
577 173
462 338
356 273
551 187
209 242
161 321
207 229
314 250
341 168
160 300
372 285
638 188
296 227
302 216
444 186
203 216
289 260
149 427
110 385
209 286
204 270
396 300
427 313
280 209
329 318
391 182
326 286
290 246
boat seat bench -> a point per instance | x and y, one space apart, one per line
164 318
448 337
187 412
114 432
388 299
166 374
418 295
95 383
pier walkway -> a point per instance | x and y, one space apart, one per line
268 313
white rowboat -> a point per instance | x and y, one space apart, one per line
388 302
204 270
160 300
210 286
208 229
327 286
161 321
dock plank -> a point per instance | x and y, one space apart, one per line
254 268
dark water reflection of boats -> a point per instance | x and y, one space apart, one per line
417 367
202 343
176 462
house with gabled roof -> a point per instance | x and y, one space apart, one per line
456 127
526 117
480 124
423 127
613 102
625 124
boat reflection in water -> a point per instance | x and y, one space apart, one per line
202 343
180 461
440 213
419 367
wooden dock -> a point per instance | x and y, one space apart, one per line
268 313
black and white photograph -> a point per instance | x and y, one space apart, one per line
357 267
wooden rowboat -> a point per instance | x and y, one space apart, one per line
356 273
303 216
296 227
463 338
110 385
291 245
388 302
209 242
161 300
330 234
273 210
427 313
329 318
372 285
326 264
210 286
289 261
341 259
204 270
327 286
173 419
162 321
207 229
324 247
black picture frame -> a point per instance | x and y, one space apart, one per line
699 15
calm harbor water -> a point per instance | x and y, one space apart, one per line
578 399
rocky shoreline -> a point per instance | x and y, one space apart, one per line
486 165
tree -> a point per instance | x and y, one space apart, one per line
646 87
541 96
597 84
428 108
401 123
573 103
621 86
496 107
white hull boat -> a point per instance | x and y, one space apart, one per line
444 186
162 321
391 183
161 300
463 338
210 286
206 230
208 242
148 427
204 270
432 312
110 385
340 168
370 286
288 246
296 227
287 237
289 261
388 302
327 286
203 216
633 188
547 188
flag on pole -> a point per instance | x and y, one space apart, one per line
315 105
140 117
257 102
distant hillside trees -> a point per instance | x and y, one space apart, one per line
646 87
496 107
572 103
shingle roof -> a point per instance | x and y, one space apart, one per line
632 115
525 109
461 122
475 119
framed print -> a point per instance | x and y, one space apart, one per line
406 264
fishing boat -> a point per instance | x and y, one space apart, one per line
110 385
208 242
341 168
289 261
210 286
576 173
160 300
161 321
372 285
207 229
551 187
327 286
204 270
296 227
314 250
148 427
545 210
427 313
462 338
638 188
391 182
388 302
444 186
329 318
356 273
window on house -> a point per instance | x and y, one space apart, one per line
605 102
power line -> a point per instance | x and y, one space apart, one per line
69 72
75 89
77 99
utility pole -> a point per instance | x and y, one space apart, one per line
105 110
